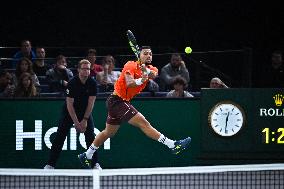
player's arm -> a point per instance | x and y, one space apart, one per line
151 71
71 110
131 82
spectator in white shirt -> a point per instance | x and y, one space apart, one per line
108 76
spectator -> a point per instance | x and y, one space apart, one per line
95 68
59 76
179 85
108 76
6 86
173 69
275 72
25 65
217 83
26 87
40 66
25 51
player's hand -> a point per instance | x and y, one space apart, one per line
143 68
152 75
144 77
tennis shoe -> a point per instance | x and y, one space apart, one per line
84 161
181 145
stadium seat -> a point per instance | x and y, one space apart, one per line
55 94
44 88
144 94
195 94
160 94
42 80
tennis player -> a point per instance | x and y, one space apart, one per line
133 80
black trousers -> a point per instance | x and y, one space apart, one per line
65 123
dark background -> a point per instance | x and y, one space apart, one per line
203 25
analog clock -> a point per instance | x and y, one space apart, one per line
226 118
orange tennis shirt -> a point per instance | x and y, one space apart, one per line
132 68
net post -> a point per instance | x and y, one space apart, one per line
96 179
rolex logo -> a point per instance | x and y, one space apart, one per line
278 99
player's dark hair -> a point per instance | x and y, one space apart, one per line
145 47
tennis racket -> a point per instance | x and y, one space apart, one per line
133 43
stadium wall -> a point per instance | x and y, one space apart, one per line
28 127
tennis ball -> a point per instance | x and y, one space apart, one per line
187 50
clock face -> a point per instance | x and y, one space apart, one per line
226 118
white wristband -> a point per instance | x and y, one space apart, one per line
138 81
148 71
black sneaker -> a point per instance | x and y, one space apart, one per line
181 145
85 161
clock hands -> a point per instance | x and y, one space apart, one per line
227 118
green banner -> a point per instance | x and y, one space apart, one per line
28 127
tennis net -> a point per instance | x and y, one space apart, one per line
256 176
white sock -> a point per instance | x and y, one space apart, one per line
91 150
170 143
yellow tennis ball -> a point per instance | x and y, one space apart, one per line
187 50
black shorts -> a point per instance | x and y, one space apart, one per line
119 110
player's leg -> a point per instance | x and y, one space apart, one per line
176 146
108 132
116 110
65 123
140 121
89 138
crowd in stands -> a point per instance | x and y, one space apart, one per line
31 74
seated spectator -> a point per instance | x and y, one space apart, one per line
172 70
26 87
25 51
40 66
6 86
59 76
217 83
95 68
108 76
179 85
25 65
